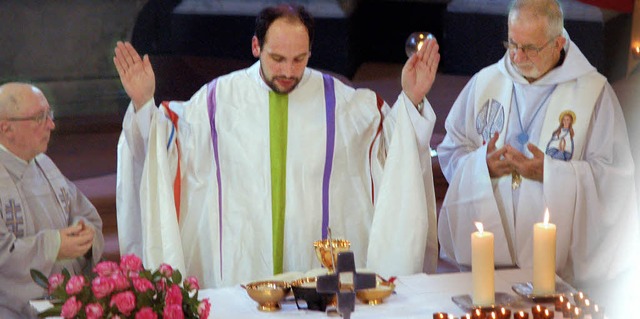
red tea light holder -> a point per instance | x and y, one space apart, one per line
538 311
548 314
577 313
567 309
559 302
521 315
579 298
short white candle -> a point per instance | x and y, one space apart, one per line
482 267
544 257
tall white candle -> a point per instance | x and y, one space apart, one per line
482 267
544 257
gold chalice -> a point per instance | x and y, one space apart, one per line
324 249
268 293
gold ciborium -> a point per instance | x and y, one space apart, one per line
324 249
268 294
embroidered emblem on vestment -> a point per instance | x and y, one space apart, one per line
561 145
490 119
13 218
64 199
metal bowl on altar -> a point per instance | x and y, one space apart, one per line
324 247
375 296
268 294
304 290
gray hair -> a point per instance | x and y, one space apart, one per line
550 9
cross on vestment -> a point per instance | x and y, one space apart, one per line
331 283
13 218
64 199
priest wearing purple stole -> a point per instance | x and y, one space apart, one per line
238 182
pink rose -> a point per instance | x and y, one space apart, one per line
102 286
166 270
55 281
204 307
130 264
173 312
70 308
173 296
94 311
120 281
142 284
106 268
75 285
146 313
124 301
191 284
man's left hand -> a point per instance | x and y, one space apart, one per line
419 71
531 168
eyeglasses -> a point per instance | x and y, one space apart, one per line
39 119
529 50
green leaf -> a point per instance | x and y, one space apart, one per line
40 279
177 277
51 312
65 273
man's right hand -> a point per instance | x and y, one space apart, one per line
496 163
75 241
136 74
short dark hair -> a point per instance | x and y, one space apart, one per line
290 11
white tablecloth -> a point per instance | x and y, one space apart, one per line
417 296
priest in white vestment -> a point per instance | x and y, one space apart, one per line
238 182
46 223
541 129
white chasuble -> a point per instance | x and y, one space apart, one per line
218 145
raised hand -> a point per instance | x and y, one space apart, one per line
75 241
419 71
136 74
495 161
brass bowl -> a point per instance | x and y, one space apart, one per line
305 289
375 296
323 250
268 294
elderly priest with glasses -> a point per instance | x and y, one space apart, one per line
539 129
45 222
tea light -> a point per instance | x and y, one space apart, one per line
521 315
577 313
544 257
504 313
548 314
537 311
567 309
478 314
559 302
579 299
467 316
440 315
597 312
635 51
482 267
586 306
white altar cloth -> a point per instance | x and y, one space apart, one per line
417 296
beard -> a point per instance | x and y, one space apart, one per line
273 82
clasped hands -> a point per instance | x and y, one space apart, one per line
508 160
75 241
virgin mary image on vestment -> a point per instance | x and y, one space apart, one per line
561 144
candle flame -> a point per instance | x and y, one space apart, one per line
479 227
546 216
595 308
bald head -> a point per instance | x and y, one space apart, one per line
14 96
26 120
531 10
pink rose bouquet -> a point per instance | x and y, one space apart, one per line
124 290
